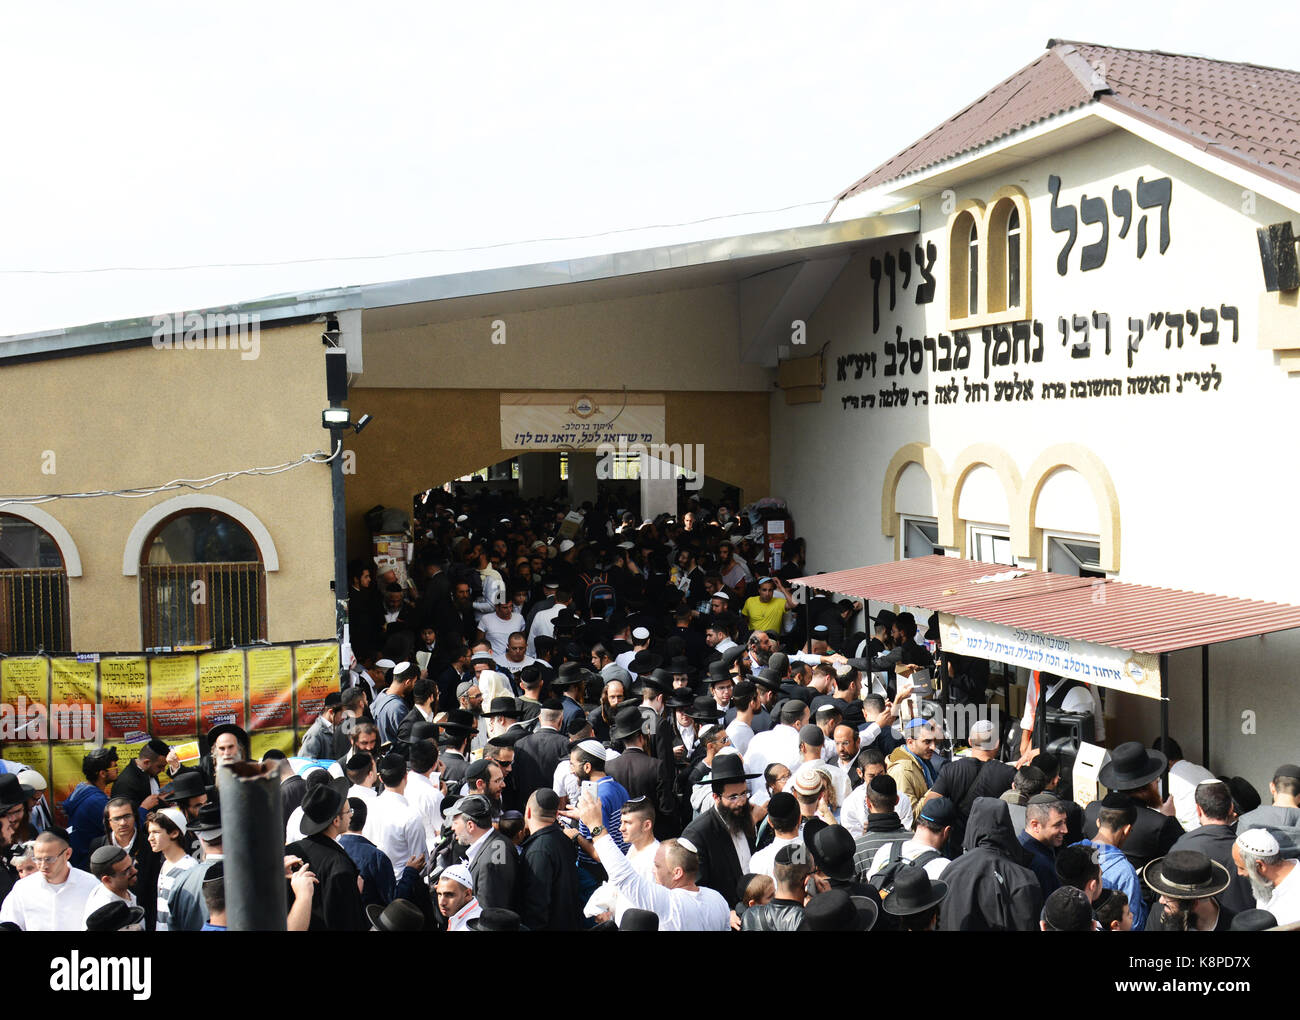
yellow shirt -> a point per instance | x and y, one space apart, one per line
762 615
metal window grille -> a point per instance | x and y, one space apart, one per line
34 610
209 604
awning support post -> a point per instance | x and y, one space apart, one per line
1164 716
1205 705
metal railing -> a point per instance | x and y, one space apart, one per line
34 610
216 605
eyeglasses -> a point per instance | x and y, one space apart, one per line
40 862
735 798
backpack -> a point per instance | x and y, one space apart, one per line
601 599
884 878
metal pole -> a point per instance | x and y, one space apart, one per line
340 536
252 846
1205 705
1164 716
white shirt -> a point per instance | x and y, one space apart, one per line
543 626
780 743
512 667
498 631
35 905
853 812
839 781
466 913
425 795
909 851
643 863
1183 777
565 783
740 733
762 861
1284 904
102 896
701 909
396 828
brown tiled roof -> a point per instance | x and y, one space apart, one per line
1246 114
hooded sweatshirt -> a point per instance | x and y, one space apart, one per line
989 888
85 811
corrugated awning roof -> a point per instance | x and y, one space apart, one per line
1137 617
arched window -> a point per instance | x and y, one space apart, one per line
1013 258
973 264
202 583
33 590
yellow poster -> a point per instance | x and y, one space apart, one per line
264 740
221 689
73 699
270 688
317 668
36 756
172 696
66 762
124 690
24 686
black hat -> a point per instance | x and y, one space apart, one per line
639 920
767 677
704 709
114 916
502 707
495 919
659 679
458 722
833 848
939 811
100 758
400 915
679 665
208 823
628 722
838 911
185 786
570 673
885 618
731 655
719 673
645 662
1253 920
475 807
1131 767
321 805
912 892
240 734
728 768
680 697
11 791
1067 909
424 731
1186 875
1244 796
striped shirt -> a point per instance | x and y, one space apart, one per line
167 878
612 798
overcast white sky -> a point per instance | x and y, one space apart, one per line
143 134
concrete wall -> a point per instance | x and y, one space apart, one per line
142 417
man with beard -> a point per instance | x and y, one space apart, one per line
1274 880
485 778
1188 885
723 836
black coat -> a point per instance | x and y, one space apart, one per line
548 882
1215 841
336 904
132 782
719 866
989 889
1153 833
496 872
536 756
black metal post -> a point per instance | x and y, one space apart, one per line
340 536
252 846
1164 716
1205 705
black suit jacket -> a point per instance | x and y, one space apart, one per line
536 756
496 872
1153 833
336 904
146 865
548 878
133 783
719 865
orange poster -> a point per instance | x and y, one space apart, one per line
24 690
270 688
221 689
172 699
123 691
73 700
66 762
317 668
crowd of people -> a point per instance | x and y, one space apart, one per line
605 723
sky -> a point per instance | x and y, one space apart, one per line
149 136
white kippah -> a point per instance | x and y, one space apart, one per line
594 748
1259 842
459 874
686 844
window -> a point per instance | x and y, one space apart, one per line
920 537
33 590
202 584
1075 555
989 545
1013 259
989 264
973 263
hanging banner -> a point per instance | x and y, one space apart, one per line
35 756
221 689
123 691
264 740
65 766
580 421
73 698
270 688
1116 668
172 711
317 669
24 693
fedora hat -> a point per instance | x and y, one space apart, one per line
1186 875
400 915
458 721
502 707
240 734
185 786
704 709
728 768
114 916
832 849
495 919
679 665
638 920
322 805
912 892
11 791
719 673
767 677
680 698
628 722
838 911
1131 767
208 824
570 673
645 662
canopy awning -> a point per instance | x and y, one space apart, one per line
1103 631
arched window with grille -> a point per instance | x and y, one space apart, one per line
33 590
1013 258
202 583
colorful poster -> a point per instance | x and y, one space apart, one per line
65 765
172 705
264 740
73 700
270 688
221 689
317 668
36 756
24 690
124 690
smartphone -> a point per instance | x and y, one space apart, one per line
587 785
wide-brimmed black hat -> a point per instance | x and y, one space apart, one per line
11 791
114 916
680 697
400 915
832 849
502 706
679 665
240 734
912 892
838 911
732 655
719 673
495 919
704 709
728 768
570 673
1186 875
645 662
767 677
208 823
657 679
638 920
457 722
628 721
185 786
424 731
322 804
1131 767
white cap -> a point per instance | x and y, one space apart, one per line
1259 842
176 816
983 735
594 748
459 874
566 545
641 634
32 780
